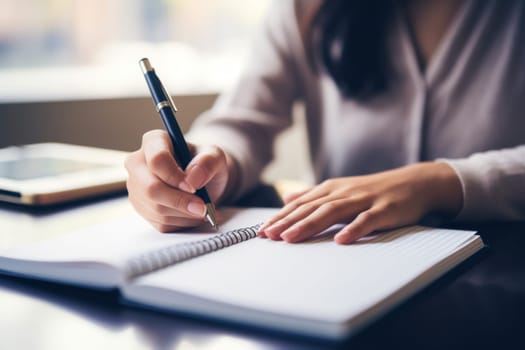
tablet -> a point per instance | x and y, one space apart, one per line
50 173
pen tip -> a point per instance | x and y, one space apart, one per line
211 216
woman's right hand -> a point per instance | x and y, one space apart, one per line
162 192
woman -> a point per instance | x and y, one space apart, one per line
413 108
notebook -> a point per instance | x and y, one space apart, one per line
316 288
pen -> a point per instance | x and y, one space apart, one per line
166 108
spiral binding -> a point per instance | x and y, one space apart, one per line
161 258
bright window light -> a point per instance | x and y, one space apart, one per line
70 49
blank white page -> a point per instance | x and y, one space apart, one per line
318 280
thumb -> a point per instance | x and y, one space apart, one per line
208 162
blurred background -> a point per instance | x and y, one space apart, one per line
90 48
69 68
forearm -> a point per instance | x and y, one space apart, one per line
234 179
245 121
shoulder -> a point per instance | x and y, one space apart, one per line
291 15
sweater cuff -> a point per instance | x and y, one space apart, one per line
492 185
471 186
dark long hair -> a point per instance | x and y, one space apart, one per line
349 38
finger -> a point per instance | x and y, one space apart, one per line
169 228
330 208
168 223
182 201
315 193
293 196
365 223
132 162
164 215
157 211
275 230
164 223
326 215
151 188
208 162
158 153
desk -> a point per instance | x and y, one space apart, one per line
481 304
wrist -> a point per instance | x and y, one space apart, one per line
446 189
233 178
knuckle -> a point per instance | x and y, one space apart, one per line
284 222
371 215
172 178
153 188
151 134
193 148
130 160
347 230
360 196
159 209
162 165
292 206
212 150
305 225
296 203
129 186
219 154
329 207
389 206
159 159
164 228
181 202
131 199
209 161
366 216
328 183
308 207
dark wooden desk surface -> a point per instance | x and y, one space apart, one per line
480 304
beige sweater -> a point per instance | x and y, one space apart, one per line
467 108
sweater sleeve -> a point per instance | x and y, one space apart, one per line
245 121
493 184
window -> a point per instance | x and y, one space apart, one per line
68 49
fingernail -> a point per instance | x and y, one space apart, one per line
268 231
276 226
263 227
289 235
197 176
186 187
274 232
342 238
197 208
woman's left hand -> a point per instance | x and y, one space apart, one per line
368 203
